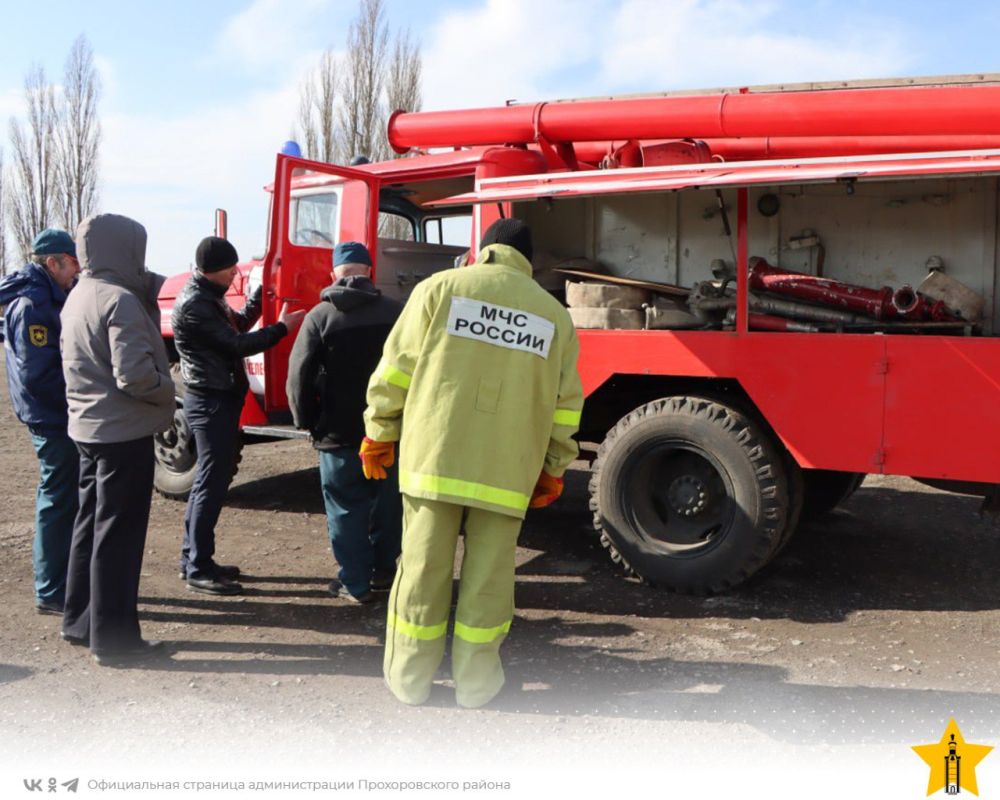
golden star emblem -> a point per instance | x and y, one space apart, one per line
952 761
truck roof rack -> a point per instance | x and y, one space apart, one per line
973 79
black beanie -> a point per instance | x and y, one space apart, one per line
511 232
215 253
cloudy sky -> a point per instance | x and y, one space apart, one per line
199 94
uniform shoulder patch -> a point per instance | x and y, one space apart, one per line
38 335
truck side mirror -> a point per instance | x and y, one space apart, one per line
221 223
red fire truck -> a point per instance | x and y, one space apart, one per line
803 290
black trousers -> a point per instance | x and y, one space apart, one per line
214 418
102 585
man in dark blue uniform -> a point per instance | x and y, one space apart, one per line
32 299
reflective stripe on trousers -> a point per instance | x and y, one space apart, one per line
417 483
420 600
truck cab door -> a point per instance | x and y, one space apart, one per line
299 256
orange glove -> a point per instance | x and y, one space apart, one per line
375 457
546 492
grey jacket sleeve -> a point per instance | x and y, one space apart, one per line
132 361
303 365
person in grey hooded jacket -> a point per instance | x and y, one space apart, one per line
119 393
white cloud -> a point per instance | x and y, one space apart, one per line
506 49
269 31
109 80
707 43
172 173
532 50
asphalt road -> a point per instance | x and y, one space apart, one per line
876 626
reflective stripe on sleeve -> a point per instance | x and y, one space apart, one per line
393 375
480 635
415 482
566 416
423 632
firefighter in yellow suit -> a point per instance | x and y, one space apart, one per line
478 383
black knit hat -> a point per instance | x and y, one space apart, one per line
511 232
215 253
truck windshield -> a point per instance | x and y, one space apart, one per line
314 220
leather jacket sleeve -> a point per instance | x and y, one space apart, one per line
215 333
211 348
248 317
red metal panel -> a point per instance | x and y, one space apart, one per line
752 149
727 174
252 413
823 395
416 168
942 407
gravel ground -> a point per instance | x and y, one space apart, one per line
875 626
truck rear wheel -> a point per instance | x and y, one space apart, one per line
690 494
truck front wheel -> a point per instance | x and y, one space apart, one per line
176 459
690 494
175 453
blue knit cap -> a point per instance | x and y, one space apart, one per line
351 253
53 242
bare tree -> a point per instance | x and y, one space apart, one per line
402 85
343 106
79 136
361 110
3 218
34 151
305 130
402 92
317 100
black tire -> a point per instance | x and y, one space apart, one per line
826 489
690 494
796 503
174 451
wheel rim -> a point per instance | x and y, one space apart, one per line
174 447
678 498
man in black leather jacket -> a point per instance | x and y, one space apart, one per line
212 340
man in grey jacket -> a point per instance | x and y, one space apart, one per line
119 392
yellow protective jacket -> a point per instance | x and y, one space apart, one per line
478 383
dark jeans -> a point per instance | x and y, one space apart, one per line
55 512
214 419
364 518
102 587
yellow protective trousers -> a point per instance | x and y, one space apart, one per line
420 600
